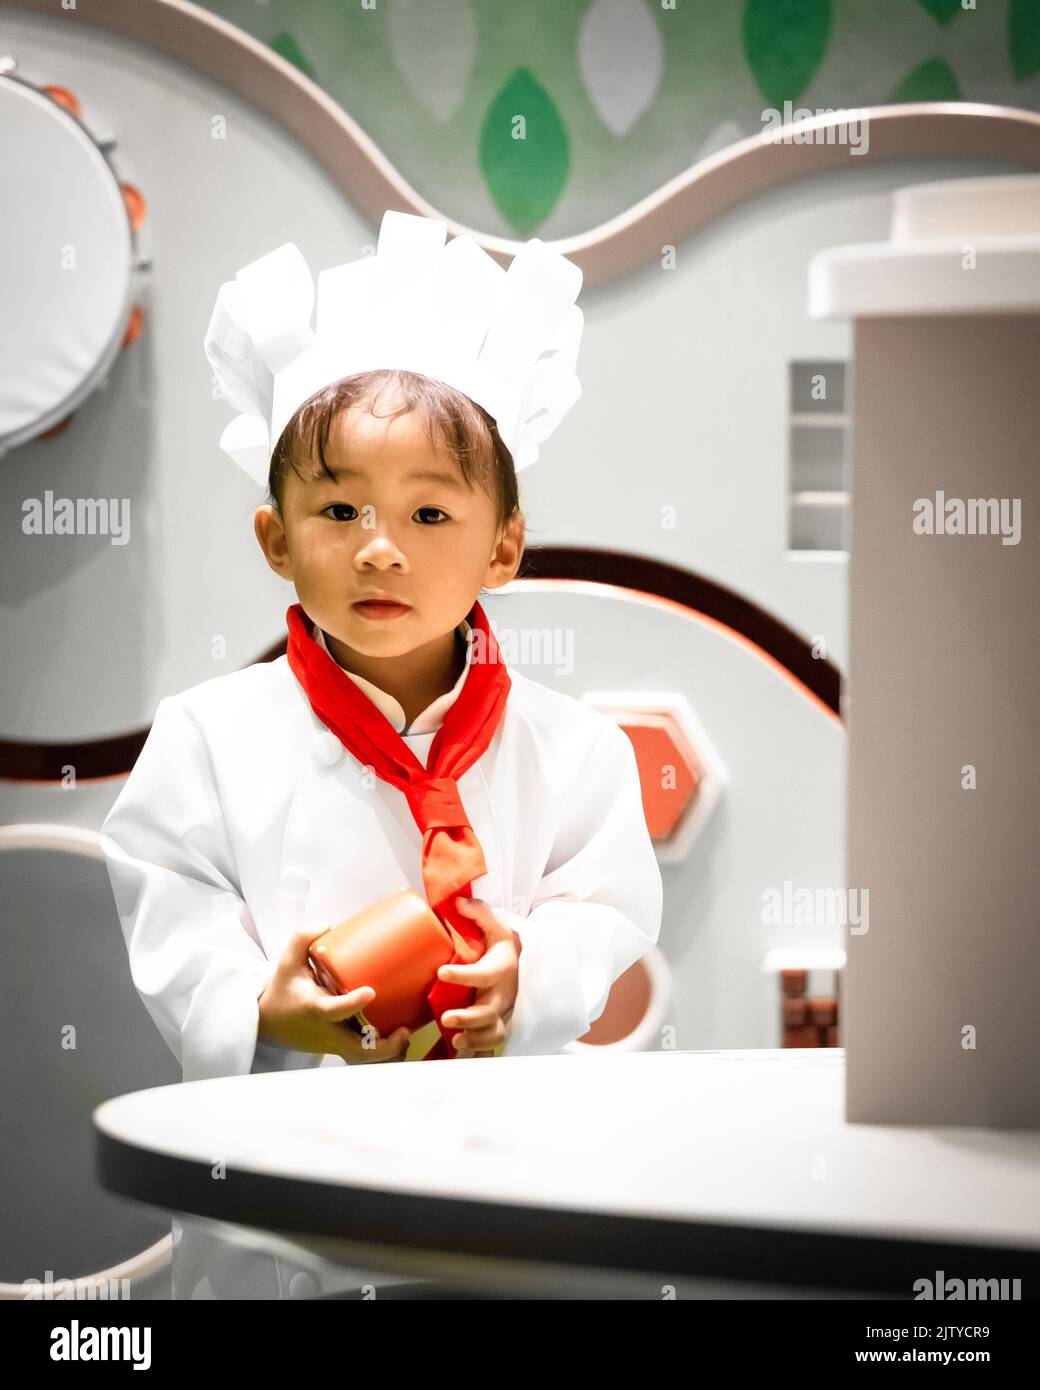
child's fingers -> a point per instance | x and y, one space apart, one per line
481 1037
401 1038
296 950
478 912
357 1049
496 964
337 1007
475 1016
479 975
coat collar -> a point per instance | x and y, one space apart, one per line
431 718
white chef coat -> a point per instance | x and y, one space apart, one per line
244 818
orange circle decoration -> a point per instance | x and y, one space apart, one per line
59 428
136 207
65 98
134 325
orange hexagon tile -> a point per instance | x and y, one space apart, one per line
670 773
680 772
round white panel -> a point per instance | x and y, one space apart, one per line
65 267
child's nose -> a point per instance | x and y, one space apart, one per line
381 549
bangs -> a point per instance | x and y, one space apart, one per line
450 418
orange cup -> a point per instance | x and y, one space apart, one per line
396 945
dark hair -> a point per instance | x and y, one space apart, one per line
464 428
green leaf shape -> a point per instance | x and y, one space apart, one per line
932 81
784 43
942 11
525 177
290 50
1024 37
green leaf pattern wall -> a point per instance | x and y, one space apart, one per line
547 117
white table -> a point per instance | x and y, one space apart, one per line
710 1166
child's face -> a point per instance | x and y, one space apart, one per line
432 543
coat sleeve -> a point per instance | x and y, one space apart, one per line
597 908
194 956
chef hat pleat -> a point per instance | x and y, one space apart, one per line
507 338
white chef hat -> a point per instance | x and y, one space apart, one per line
508 339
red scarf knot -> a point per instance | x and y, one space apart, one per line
451 854
437 803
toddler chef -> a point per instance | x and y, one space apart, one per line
390 746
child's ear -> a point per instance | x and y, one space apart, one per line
508 553
270 532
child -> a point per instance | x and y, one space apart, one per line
390 746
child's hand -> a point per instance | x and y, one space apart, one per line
297 1013
495 978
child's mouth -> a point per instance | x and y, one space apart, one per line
380 609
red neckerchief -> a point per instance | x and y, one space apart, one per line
451 853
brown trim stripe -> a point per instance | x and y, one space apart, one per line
699 595
105 758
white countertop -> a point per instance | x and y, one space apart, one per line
750 1137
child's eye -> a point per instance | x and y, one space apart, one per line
340 506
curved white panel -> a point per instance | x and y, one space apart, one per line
782 817
74 1033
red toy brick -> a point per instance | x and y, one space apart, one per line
802 1037
823 1012
795 1013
